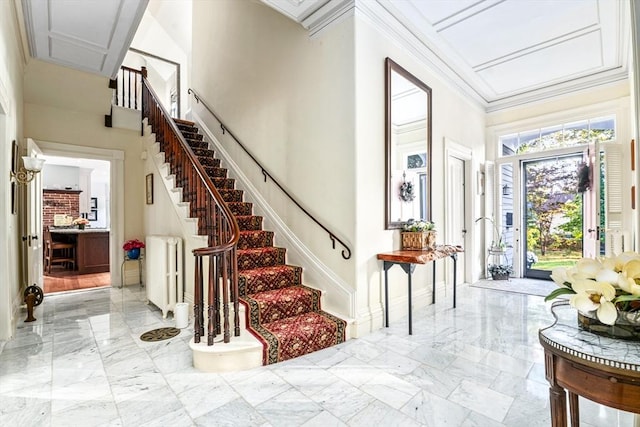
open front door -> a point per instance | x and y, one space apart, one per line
553 213
33 218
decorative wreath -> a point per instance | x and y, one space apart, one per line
406 192
584 178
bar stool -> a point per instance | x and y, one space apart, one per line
58 252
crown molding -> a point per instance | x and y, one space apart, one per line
316 16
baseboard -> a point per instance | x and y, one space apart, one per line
368 321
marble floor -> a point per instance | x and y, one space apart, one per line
82 364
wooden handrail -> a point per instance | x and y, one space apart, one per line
215 219
346 252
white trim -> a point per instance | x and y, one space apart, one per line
374 13
590 111
328 15
116 189
8 306
23 41
454 149
343 298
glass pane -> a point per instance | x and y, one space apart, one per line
509 144
558 136
603 128
576 133
553 214
528 141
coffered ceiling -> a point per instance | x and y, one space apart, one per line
502 52
91 35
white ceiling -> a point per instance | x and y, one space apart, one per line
90 35
501 52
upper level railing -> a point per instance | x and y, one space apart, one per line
127 88
346 252
214 219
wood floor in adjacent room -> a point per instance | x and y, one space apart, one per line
66 280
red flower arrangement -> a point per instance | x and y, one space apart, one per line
132 244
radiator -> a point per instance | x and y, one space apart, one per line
164 272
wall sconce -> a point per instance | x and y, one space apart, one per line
506 190
31 166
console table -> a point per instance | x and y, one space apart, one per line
604 370
124 262
408 261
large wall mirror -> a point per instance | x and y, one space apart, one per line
408 147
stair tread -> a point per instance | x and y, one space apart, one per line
282 324
264 278
184 122
288 291
260 250
249 232
278 304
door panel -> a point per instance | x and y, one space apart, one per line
591 200
457 210
33 237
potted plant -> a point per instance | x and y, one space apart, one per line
81 222
132 247
500 271
418 235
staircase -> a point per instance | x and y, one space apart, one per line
282 313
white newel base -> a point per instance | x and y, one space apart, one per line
243 352
240 353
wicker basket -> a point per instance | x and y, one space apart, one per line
418 240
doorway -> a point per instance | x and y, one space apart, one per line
75 191
114 209
553 214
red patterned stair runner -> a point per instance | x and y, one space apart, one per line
283 314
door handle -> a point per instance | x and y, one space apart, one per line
464 232
34 237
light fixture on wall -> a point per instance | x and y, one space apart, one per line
31 167
506 190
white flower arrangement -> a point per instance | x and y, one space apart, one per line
421 225
607 286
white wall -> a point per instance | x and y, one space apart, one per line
60 177
67 107
290 100
312 110
100 190
155 35
11 118
454 117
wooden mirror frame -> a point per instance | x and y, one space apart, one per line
392 67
